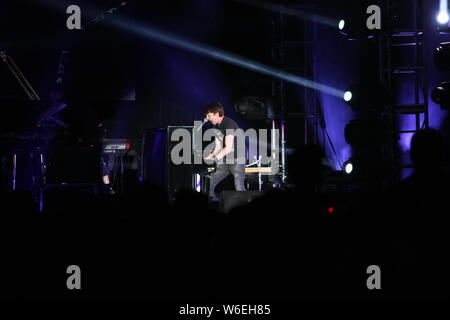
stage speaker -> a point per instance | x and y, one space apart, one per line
232 199
157 167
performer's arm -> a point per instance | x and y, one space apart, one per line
217 149
229 141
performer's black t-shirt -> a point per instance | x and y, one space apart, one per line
227 124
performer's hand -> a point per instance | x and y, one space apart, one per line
210 157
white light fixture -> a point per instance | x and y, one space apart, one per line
442 17
347 96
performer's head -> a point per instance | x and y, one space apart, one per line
214 112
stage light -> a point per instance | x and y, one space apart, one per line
352 132
368 97
348 167
251 108
356 96
442 56
330 209
441 95
347 96
345 30
442 17
353 22
372 129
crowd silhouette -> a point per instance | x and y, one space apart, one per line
297 242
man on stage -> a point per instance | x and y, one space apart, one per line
225 143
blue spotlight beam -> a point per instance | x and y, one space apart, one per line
221 55
205 50
278 8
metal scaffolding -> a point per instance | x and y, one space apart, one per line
284 52
403 71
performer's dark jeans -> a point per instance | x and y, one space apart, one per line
222 171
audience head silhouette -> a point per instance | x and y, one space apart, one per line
426 150
306 166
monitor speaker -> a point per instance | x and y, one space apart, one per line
233 199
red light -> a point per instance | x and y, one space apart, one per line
330 209
128 146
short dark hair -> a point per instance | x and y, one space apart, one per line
214 107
